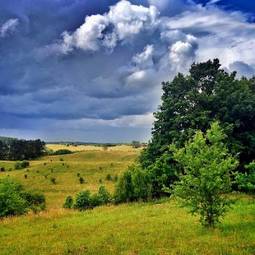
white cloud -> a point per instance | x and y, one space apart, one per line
122 22
144 59
8 27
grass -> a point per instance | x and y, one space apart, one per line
160 227
153 228
92 165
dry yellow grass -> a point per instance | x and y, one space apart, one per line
124 148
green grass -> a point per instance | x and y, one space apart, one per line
153 228
160 227
91 165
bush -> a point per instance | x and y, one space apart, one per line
108 177
207 165
81 180
83 200
11 201
246 181
21 164
53 180
62 152
124 191
14 200
133 185
104 195
2 169
35 201
68 202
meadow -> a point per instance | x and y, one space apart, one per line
159 227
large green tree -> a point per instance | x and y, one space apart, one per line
191 102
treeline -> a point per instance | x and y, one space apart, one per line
16 149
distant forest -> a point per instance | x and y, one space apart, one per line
16 149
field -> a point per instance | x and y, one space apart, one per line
159 227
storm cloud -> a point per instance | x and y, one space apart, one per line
73 70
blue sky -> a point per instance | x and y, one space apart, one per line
92 70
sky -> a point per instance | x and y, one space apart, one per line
91 71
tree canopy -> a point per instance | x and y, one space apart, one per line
191 102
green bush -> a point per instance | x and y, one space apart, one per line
11 201
62 152
21 164
68 202
35 201
14 200
133 185
53 180
108 177
207 165
104 195
83 200
81 180
124 191
246 181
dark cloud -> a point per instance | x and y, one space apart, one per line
75 68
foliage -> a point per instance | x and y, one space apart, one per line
15 201
68 202
81 180
136 144
15 149
207 165
62 152
133 185
83 200
21 164
53 180
35 201
246 181
192 102
163 174
108 177
103 195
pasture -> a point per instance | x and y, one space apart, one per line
159 227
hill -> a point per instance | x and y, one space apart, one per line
159 227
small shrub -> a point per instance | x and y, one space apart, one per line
83 200
53 180
81 180
61 159
124 191
11 201
35 201
62 152
25 176
68 202
21 164
100 181
15 201
116 178
78 174
246 181
103 195
108 177
2 169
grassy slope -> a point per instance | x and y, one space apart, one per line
153 228
92 166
